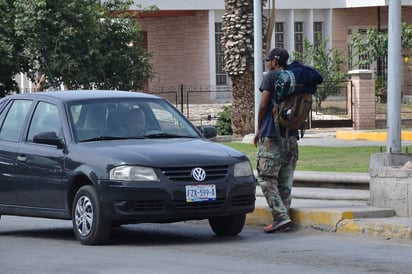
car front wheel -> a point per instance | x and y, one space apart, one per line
228 225
88 224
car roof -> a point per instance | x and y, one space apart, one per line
75 95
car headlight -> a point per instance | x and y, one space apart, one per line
133 173
243 169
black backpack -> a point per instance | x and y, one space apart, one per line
293 99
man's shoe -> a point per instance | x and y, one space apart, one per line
282 224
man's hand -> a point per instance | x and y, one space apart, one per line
256 139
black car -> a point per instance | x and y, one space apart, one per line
107 158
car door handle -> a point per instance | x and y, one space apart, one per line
21 158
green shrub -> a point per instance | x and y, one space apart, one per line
224 121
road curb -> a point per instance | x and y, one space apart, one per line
357 220
259 217
376 228
369 135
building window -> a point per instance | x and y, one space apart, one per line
363 61
317 34
299 37
221 75
382 64
382 68
363 64
279 35
350 63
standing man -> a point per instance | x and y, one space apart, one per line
277 151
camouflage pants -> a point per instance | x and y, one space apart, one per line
276 163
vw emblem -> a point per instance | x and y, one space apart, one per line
199 174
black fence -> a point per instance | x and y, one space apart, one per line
406 108
200 104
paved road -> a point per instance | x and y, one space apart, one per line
29 245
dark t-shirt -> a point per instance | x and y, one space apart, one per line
267 128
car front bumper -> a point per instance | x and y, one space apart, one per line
161 203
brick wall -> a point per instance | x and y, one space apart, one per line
181 49
363 100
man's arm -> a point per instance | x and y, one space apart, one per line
262 111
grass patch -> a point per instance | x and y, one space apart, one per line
317 158
337 159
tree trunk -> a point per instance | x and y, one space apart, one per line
40 83
243 113
237 41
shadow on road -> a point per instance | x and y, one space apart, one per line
136 234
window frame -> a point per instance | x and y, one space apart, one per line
19 119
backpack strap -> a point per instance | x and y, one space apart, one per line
283 142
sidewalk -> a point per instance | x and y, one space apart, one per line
336 209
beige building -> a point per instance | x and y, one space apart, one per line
184 35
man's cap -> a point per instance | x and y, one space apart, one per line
279 54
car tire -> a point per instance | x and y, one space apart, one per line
228 225
88 224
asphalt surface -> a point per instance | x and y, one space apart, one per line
337 210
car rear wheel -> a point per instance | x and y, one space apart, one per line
228 225
88 224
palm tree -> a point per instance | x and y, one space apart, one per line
237 41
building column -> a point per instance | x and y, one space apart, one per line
309 26
290 30
361 101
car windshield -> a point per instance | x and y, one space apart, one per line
128 119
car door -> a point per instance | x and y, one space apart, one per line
40 176
12 120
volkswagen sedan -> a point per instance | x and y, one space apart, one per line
107 158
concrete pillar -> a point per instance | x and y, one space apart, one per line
362 99
391 182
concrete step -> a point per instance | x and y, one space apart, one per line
330 193
352 180
326 215
320 193
336 210
321 206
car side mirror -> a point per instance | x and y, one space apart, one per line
208 131
48 138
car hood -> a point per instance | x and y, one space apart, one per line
162 152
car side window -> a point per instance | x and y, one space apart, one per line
167 121
45 119
14 120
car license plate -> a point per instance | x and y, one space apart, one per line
200 193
